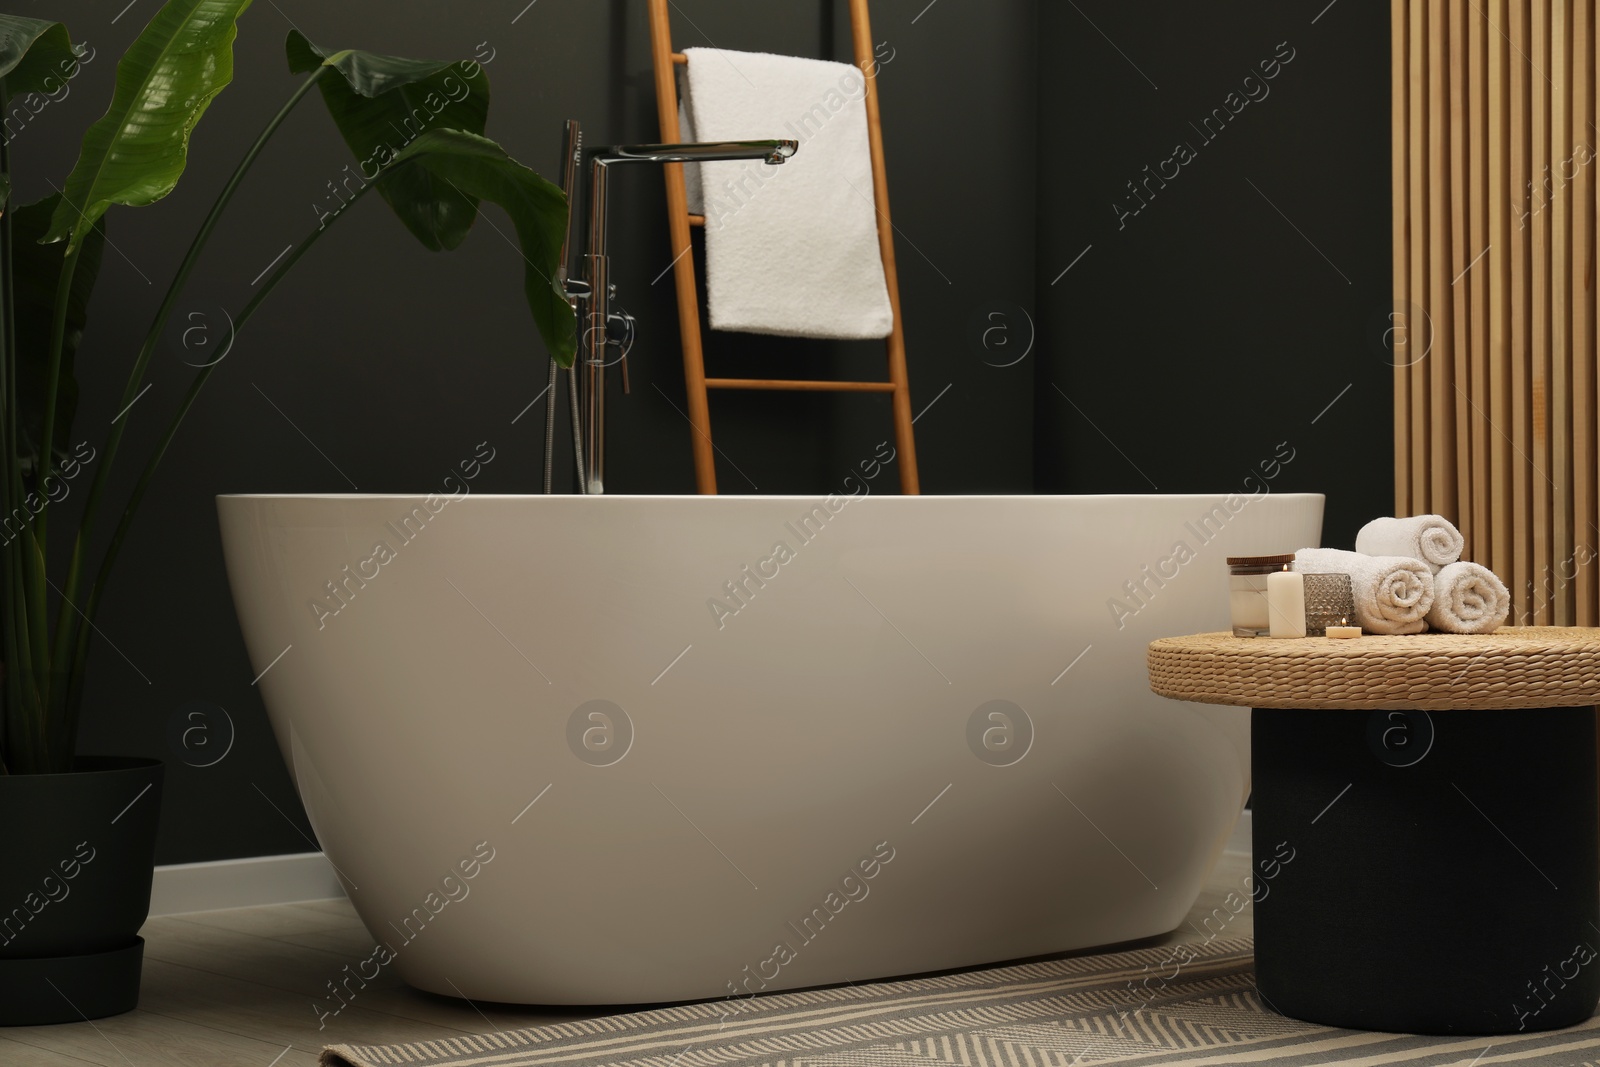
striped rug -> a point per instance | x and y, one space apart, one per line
1170 1006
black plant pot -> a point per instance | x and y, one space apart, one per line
77 852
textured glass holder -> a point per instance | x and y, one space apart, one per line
1329 602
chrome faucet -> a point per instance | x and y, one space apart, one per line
599 328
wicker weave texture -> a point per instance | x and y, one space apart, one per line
1514 667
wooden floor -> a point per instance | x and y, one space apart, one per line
225 988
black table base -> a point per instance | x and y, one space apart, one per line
1427 872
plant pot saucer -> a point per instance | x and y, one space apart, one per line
70 989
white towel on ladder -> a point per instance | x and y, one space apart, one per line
791 249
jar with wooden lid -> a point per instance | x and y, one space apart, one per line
1247 591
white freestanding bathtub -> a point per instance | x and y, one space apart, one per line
623 749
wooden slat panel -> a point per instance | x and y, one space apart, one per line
1584 471
1422 330
1560 316
1519 577
1476 518
1441 406
1400 325
1501 193
1539 316
1461 255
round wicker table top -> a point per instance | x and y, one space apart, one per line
1514 667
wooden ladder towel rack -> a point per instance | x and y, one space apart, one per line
679 222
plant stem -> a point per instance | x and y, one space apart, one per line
35 561
14 720
58 336
81 649
70 629
8 309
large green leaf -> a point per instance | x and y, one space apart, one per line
35 56
383 103
135 154
477 167
38 266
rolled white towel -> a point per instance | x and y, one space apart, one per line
1392 593
1433 539
1468 599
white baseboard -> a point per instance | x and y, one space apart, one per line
264 880
242 883
1240 842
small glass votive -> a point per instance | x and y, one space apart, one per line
1247 592
1329 602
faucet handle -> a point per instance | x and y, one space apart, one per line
621 331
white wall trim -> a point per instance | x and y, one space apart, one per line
242 883
1243 834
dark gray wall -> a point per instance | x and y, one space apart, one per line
1208 328
1248 293
392 362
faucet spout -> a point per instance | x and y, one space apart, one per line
600 330
772 152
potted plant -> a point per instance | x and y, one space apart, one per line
77 834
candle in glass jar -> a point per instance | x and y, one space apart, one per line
1286 603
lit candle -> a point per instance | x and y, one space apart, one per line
1344 631
1286 603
